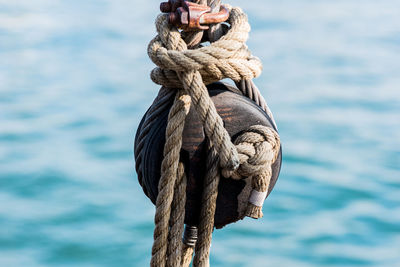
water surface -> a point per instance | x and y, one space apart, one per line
74 84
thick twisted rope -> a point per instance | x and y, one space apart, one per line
193 38
216 30
258 148
211 181
177 219
209 198
228 57
191 69
169 174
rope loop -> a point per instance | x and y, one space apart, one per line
258 147
228 57
188 67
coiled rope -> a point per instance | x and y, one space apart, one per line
184 64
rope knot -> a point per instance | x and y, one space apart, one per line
257 148
228 57
252 153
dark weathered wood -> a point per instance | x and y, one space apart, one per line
238 114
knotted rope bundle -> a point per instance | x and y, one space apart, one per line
251 155
258 149
228 57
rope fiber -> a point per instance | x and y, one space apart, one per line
183 63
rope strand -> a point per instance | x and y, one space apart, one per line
169 171
183 63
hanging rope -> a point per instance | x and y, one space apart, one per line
171 176
183 63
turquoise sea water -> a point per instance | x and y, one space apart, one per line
74 84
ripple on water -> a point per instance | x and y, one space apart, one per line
74 84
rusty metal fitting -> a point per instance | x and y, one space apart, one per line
190 16
213 18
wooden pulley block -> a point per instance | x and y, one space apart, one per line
238 113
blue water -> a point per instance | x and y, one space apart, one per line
74 84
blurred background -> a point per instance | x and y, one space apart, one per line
74 84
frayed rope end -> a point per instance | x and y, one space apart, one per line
254 211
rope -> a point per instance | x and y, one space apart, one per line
169 173
228 57
178 217
183 63
193 38
258 149
211 181
209 198
216 30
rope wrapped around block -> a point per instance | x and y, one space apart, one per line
250 155
229 57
